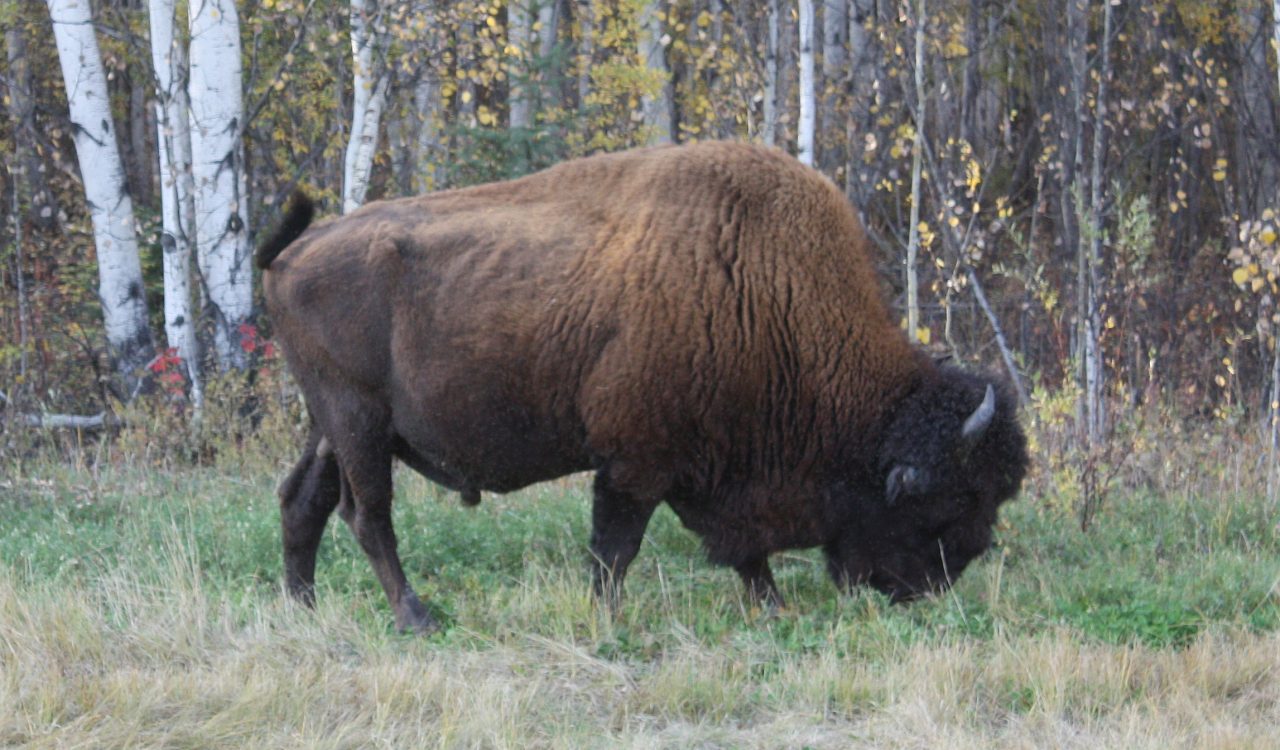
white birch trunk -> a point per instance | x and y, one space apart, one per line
176 201
120 288
586 50
1275 31
917 151
519 34
217 167
835 68
370 83
428 147
1097 420
862 91
805 134
1274 404
769 130
653 42
548 20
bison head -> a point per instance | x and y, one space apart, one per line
952 453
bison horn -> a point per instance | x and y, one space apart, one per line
980 419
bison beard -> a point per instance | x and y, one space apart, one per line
699 325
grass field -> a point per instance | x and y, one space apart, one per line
141 608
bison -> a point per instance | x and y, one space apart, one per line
699 325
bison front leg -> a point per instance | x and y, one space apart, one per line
758 578
618 521
307 498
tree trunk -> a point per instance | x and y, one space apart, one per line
862 91
917 155
586 50
1072 193
653 41
120 287
805 134
1094 374
369 94
176 200
217 167
426 144
31 188
548 24
519 36
769 130
972 83
835 70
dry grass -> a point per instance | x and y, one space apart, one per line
167 663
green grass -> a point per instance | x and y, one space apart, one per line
130 575
1157 570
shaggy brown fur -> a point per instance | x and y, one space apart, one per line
701 325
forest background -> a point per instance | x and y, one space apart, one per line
1081 194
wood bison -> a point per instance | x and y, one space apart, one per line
699 325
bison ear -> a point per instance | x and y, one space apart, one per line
901 479
978 422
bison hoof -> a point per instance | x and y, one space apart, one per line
470 498
412 617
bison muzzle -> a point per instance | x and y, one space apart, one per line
699 325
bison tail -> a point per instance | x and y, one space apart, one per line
297 217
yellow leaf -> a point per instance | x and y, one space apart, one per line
1267 236
1219 176
1240 276
1111 322
923 333
466 96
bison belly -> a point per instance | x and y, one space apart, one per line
476 436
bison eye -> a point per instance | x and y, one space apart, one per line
902 480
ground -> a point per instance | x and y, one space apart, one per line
141 607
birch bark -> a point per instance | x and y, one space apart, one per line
217 168
176 200
120 287
804 134
835 69
917 155
370 84
769 131
519 34
653 44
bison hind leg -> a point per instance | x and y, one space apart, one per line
307 498
470 497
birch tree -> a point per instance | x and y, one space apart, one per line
217 167
371 80
805 134
428 145
120 287
917 154
519 34
548 22
657 106
1095 406
35 199
586 50
835 67
769 130
176 199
